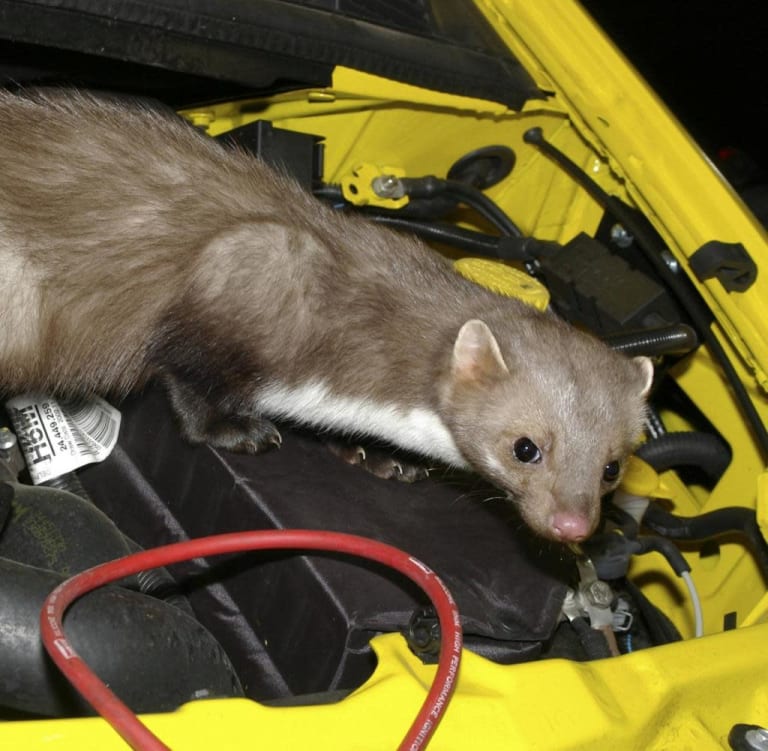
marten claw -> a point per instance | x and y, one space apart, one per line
266 436
244 434
378 462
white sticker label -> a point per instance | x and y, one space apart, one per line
58 437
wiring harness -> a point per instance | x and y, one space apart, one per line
128 725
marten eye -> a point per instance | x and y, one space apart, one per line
527 451
611 471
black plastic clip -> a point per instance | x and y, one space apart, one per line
728 262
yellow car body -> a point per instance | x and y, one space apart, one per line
600 113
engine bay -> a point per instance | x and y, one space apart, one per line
520 597
526 202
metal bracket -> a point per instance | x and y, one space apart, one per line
370 185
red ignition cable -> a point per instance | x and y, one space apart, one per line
128 725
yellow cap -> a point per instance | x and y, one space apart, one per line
504 280
640 478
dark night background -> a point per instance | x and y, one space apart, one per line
707 61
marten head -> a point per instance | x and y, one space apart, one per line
552 425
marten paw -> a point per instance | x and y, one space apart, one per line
243 434
379 462
202 421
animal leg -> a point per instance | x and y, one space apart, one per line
220 426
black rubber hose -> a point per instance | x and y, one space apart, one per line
153 656
430 186
677 339
506 247
710 525
63 531
156 582
701 527
687 449
447 234
477 200
478 243
666 547
711 455
56 530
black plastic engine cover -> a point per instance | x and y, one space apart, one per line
297 624
598 289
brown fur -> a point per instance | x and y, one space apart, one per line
135 247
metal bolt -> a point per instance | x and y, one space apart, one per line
757 738
388 186
599 594
670 260
7 439
620 236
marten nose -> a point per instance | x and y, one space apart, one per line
570 526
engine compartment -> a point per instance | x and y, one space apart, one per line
515 592
296 626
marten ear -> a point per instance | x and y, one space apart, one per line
645 368
476 354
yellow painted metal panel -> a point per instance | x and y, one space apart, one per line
681 697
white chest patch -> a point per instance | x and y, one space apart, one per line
313 404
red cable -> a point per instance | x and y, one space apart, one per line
128 725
